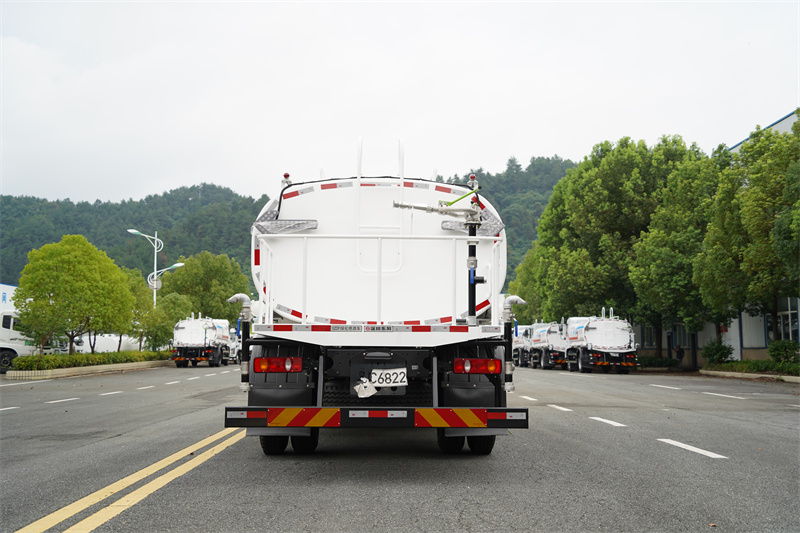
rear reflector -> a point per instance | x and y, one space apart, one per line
477 366
278 364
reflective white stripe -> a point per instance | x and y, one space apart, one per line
237 414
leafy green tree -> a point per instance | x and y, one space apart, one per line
594 217
70 288
748 260
662 270
763 164
208 280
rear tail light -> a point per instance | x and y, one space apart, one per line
477 366
278 364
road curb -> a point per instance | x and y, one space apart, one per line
33 375
749 375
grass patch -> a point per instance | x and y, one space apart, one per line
51 362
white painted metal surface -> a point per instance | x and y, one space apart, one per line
338 252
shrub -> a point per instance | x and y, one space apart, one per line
50 362
784 351
762 366
656 362
716 352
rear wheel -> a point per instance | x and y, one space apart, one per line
306 445
6 356
481 444
449 444
274 445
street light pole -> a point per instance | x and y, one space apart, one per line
158 245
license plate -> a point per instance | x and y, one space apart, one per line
389 377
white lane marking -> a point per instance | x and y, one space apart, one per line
65 400
724 395
8 408
665 387
790 405
214 374
196 377
558 407
110 393
172 383
610 422
226 371
693 449
25 383
148 387
529 398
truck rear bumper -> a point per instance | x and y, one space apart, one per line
414 417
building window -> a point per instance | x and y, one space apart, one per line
679 337
787 327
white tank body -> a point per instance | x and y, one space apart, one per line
339 252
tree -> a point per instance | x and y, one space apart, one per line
208 281
662 269
70 288
749 255
594 217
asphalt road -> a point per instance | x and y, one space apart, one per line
147 451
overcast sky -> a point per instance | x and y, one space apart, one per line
120 100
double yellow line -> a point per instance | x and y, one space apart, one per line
107 513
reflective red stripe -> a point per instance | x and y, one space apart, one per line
420 328
291 195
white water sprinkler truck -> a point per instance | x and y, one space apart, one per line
201 339
602 343
379 307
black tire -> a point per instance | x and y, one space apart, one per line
306 445
224 362
449 444
622 370
542 359
6 356
194 363
581 368
481 444
178 364
274 445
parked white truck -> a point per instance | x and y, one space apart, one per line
201 339
548 346
379 307
12 342
602 343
